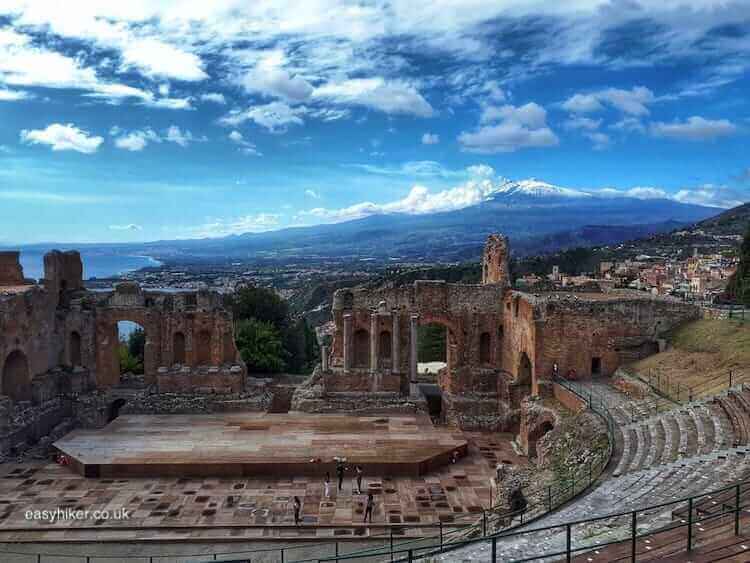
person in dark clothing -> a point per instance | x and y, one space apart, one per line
368 507
340 468
359 478
297 507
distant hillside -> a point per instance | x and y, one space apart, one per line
731 222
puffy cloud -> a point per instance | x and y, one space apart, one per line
214 97
134 141
245 146
13 95
695 128
138 140
480 171
312 193
63 138
392 97
176 135
518 127
713 196
629 125
430 139
631 102
269 78
154 58
274 116
418 201
129 227
217 227
640 192
582 123
601 140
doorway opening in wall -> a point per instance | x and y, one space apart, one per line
432 350
596 366
114 409
131 351
434 397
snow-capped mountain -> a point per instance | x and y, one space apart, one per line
537 189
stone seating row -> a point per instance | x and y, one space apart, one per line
695 429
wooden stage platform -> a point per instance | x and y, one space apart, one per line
248 444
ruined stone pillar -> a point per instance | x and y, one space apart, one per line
324 358
413 325
395 345
373 343
348 341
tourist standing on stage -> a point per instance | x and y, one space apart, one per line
327 485
340 468
359 479
297 507
368 507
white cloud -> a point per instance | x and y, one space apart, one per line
215 97
13 95
129 227
246 146
480 171
639 192
695 128
392 97
269 78
518 127
601 140
131 142
631 102
430 139
176 135
629 125
63 138
582 123
418 201
274 116
713 196
217 227
154 58
138 140
312 193
169 103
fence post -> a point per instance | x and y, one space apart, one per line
441 535
336 547
690 525
737 510
549 497
410 556
391 543
633 534
568 553
484 523
591 470
494 549
282 555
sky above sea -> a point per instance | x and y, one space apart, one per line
151 120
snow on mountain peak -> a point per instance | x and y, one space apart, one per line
538 188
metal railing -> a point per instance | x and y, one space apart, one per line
680 392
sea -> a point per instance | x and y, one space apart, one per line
96 263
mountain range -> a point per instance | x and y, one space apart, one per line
537 216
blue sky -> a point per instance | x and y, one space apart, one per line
145 120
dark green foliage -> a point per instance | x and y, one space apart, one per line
431 343
137 343
260 346
128 362
263 321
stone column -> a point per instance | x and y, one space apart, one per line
395 344
374 325
324 358
348 341
413 325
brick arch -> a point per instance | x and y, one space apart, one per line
107 342
538 432
15 380
361 348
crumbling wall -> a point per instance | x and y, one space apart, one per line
11 273
495 269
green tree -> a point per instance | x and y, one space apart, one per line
739 286
260 346
137 343
431 343
301 345
128 362
260 303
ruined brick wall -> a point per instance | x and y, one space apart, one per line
495 268
11 273
601 333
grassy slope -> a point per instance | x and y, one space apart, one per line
701 354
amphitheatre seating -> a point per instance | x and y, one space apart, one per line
736 406
693 430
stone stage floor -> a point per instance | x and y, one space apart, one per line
251 444
195 509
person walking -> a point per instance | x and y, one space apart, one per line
359 479
340 468
297 507
327 485
368 508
